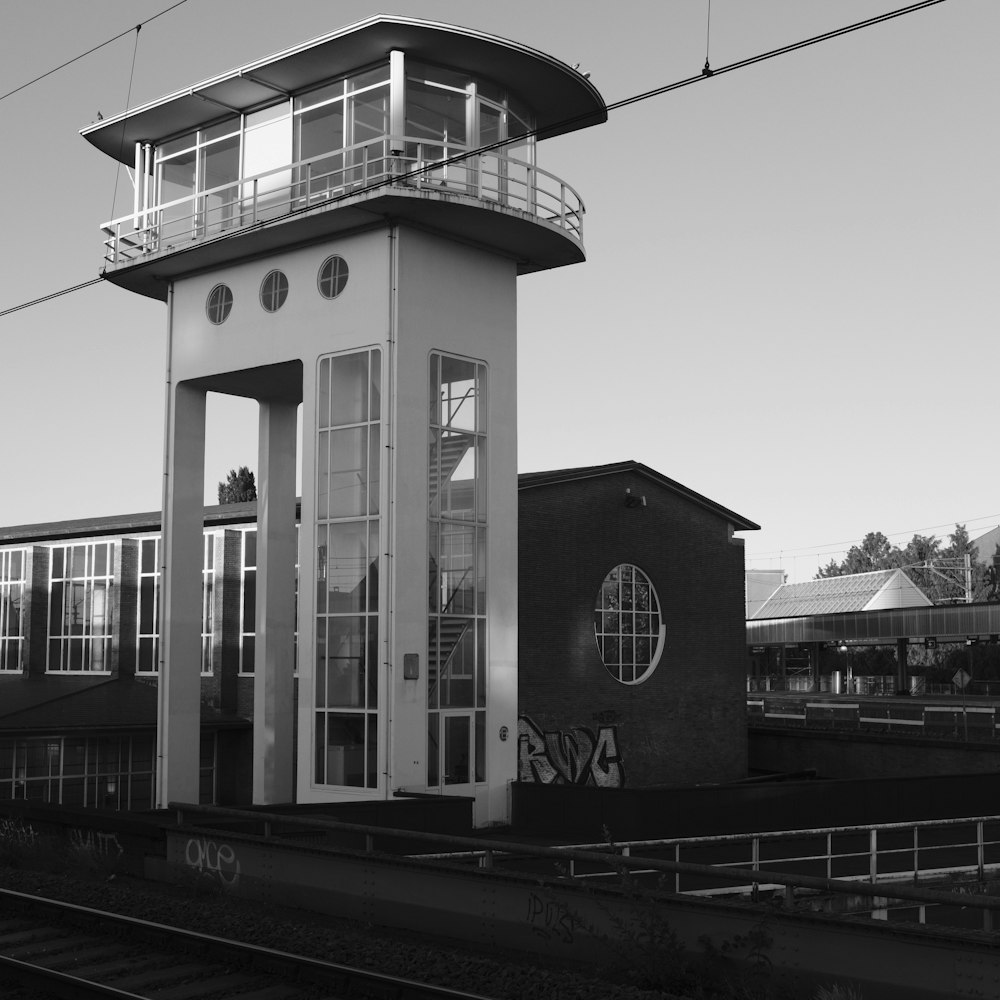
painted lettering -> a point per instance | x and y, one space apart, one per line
96 842
549 919
218 860
569 756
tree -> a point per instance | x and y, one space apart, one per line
875 552
238 487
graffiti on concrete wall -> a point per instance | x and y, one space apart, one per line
574 756
550 920
96 842
218 861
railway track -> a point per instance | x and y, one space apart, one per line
55 949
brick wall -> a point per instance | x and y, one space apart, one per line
686 723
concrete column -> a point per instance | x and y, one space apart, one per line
275 643
902 680
178 730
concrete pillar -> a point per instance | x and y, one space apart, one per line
178 732
902 680
274 702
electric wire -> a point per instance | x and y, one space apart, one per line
128 104
83 55
561 125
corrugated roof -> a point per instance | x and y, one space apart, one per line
837 594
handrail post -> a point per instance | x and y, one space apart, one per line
916 854
369 843
487 858
309 185
254 213
873 855
980 852
829 855
677 874
562 203
755 854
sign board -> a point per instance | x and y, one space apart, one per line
961 678
930 642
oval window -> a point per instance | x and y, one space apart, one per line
332 277
628 624
219 304
273 291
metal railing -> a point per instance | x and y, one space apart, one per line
377 166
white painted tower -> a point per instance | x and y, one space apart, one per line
321 237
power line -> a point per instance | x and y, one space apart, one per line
560 125
51 295
82 55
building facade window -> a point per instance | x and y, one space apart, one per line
219 304
456 634
273 291
148 630
13 577
80 620
628 625
348 482
110 772
248 601
333 275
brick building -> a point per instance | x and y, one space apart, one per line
631 647
632 644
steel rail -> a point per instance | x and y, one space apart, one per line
272 961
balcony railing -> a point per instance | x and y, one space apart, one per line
383 165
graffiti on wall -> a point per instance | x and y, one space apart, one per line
574 756
218 861
96 842
551 921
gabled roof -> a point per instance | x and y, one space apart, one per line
886 588
533 480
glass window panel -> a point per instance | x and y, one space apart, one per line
322 568
321 95
480 664
250 548
345 749
220 173
147 663
372 662
433 750
376 384
372 755
345 662
323 476
148 548
79 562
348 471
347 566
250 601
249 655
373 564
480 746
349 395
374 471
228 126
16 565
368 78
323 398
147 604
57 563
456 749
458 392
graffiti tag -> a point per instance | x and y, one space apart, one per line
569 756
209 858
550 920
16 833
103 845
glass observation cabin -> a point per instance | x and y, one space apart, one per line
425 120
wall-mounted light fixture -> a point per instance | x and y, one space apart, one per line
634 501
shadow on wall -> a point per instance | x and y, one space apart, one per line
569 756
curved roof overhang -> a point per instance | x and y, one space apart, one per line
561 99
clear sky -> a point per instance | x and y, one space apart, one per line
789 302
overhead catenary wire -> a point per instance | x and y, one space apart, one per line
83 55
563 124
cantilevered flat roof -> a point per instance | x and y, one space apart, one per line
562 99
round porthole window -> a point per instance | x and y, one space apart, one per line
219 304
332 277
628 624
273 291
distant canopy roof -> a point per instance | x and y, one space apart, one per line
561 99
879 590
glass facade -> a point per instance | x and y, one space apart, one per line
334 139
148 630
80 619
348 482
13 577
456 634
111 772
